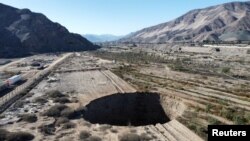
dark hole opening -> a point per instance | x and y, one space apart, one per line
135 109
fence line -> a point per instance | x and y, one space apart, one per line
19 90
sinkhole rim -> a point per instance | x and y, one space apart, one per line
127 109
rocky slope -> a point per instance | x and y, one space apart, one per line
213 23
24 32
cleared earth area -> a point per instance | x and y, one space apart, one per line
124 94
212 82
81 99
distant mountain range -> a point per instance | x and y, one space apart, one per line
102 38
23 32
226 22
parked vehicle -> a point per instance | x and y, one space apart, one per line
14 79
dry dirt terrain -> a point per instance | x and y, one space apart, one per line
212 82
83 100
138 94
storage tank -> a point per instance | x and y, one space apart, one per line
14 79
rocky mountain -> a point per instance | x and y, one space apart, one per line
23 32
102 38
230 21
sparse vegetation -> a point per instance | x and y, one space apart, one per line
47 129
54 94
130 57
225 70
235 115
68 125
248 51
211 72
61 120
228 113
29 118
239 120
213 121
15 136
94 138
130 137
69 113
177 66
61 100
40 100
20 104
217 49
84 135
114 130
105 127
204 81
19 136
55 111
209 108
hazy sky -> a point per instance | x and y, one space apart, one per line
117 17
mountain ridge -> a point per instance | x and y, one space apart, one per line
24 33
102 37
197 25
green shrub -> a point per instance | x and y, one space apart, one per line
178 65
237 116
40 100
19 136
20 104
130 57
130 137
213 121
68 125
84 135
47 129
68 113
225 70
61 100
31 118
208 108
94 138
114 130
248 117
61 120
217 49
55 111
54 94
227 113
239 120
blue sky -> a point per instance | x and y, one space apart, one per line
118 17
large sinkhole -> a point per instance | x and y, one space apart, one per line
135 109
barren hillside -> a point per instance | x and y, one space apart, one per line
212 23
24 32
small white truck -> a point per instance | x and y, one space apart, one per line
14 79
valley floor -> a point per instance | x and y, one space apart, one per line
77 83
213 85
132 93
